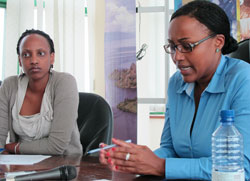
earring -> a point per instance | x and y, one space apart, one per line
217 50
51 68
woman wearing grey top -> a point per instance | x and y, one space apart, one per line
39 107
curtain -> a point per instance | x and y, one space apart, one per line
64 21
2 3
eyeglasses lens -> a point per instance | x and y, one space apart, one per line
183 48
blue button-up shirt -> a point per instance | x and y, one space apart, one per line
190 156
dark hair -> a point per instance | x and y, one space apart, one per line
39 32
213 17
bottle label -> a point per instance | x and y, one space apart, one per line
228 176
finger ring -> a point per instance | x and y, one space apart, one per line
127 156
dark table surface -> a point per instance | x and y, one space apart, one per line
88 168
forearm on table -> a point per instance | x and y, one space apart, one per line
188 168
43 146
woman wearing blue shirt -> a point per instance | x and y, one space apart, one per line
207 82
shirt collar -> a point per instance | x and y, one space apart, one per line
216 84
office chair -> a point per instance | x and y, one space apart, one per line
95 121
243 51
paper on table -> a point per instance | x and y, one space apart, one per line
14 174
21 159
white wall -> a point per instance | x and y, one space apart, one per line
148 130
152 69
99 81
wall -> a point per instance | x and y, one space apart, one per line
99 83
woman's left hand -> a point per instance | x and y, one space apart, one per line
132 158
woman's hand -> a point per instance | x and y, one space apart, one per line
132 158
12 148
4 152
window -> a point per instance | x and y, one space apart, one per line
152 30
154 69
87 65
67 24
2 27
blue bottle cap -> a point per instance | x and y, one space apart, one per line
227 115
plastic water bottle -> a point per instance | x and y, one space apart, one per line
227 150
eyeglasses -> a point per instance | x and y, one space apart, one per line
184 47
